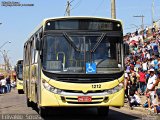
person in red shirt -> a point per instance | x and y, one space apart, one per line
142 81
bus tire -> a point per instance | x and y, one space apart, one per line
103 111
29 104
20 92
41 111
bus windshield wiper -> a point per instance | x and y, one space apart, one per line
69 40
98 42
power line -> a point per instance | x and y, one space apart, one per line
142 17
76 5
129 28
72 1
69 5
98 7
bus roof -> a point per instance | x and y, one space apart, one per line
19 61
77 17
68 17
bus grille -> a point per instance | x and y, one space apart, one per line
74 100
78 91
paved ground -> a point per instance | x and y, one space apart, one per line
13 106
143 100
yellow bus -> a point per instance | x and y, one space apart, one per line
63 67
19 78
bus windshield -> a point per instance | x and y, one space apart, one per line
69 53
19 71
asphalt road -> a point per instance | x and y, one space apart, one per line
13 106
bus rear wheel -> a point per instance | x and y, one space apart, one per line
103 111
20 92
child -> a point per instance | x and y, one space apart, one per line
13 84
134 98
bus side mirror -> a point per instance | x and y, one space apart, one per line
126 49
38 44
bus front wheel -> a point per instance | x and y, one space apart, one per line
20 92
103 111
29 104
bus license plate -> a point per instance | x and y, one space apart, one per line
84 98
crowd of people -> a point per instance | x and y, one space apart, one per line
6 84
142 70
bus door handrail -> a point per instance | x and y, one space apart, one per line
64 58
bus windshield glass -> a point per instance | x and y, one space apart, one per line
70 52
19 71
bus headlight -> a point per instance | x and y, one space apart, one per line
115 89
50 88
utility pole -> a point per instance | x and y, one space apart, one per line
113 9
152 12
141 16
68 8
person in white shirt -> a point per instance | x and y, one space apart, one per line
152 62
13 84
135 100
3 84
148 55
144 65
150 91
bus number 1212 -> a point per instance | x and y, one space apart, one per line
96 86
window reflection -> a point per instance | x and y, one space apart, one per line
59 55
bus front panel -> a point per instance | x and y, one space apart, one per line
55 93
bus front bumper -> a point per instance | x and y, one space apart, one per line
49 99
19 85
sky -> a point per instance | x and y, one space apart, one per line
19 21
